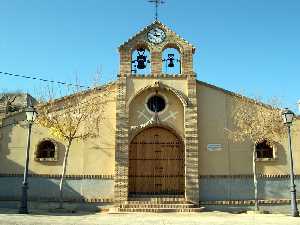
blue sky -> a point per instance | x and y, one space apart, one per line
246 46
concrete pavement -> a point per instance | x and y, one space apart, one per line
10 217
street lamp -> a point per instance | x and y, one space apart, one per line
30 117
288 116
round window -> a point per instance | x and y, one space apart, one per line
156 103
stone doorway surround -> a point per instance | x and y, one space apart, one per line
122 144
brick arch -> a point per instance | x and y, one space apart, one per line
161 125
140 44
175 45
157 85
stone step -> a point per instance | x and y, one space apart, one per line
153 205
161 210
156 202
157 199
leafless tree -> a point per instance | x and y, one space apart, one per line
255 121
75 117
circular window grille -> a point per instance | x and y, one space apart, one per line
156 103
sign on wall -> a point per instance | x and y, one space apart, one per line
214 147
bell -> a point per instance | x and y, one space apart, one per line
171 63
141 60
171 60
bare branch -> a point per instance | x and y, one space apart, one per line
255 122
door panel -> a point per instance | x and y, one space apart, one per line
156 163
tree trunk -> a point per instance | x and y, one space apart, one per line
62 179
255 180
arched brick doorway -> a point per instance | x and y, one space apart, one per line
156 163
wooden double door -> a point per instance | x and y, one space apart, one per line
156 163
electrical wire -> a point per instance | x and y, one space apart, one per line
62 83
90 102
41 79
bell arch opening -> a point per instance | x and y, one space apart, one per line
156 163
140 60
171 58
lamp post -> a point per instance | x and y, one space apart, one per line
30 117
288 116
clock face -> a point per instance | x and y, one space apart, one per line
156 36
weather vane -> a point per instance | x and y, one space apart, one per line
156 3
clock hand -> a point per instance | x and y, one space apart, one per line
151 36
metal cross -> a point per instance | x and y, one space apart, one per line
157 3
142 114
171 115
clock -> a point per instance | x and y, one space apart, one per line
156 36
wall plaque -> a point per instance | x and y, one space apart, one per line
214 147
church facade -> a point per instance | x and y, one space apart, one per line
163 136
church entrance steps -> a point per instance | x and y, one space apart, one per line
150 205
157 199
161 210
158 204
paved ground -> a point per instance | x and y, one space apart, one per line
207 218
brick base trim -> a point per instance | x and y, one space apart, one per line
249 202
58 176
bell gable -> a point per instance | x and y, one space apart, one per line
146 49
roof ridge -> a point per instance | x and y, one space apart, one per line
83 92
238 95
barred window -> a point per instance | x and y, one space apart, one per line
156 103
46 150
264 150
